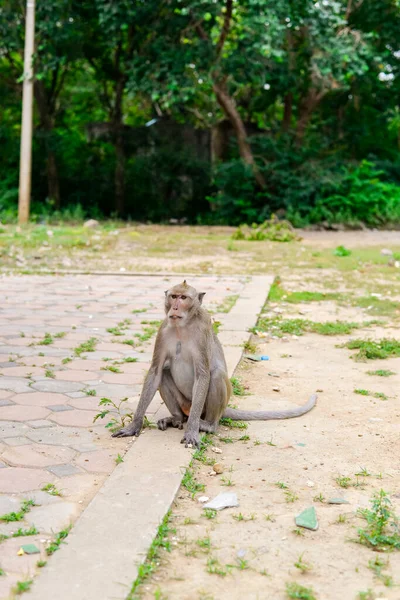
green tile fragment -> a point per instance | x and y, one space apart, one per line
30 549
338 501
308 519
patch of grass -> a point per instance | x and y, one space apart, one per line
377 306
190 483
47 340
241 517
250 347
112 369
90 392
341 251
58 540
126 359
119 459
381 373
367 595
362 392
210 513
299 532
227 422
227 304
60 335
51 489
371 350
279 327
377 566
343 482
278 294
41 563
49 373
89 346
244 438
23 532
238 389
139 310
302 565
151 563
379 395
216 325
67 360
363 472
204 543
290 496
227 440
319 498
297 591
215 568
12 517
342 518
382 531
282 485
22 586
148 332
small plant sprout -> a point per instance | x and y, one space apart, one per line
294 590
363 472
342 518
297 531
51 489
382 530
319 498
302 565
119 459
343 482
210 513
118 418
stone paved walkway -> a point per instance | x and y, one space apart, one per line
50 387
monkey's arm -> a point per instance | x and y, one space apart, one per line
150 386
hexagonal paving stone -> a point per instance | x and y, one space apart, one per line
53 518
40 399
22 413
10 429
16 441
11 562
40 423
21 371
101 461
17 479
51 385
71 375
74 418
14 384
59 408
6 402
61 436
64 470
37 455
5 394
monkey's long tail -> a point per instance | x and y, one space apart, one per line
267 415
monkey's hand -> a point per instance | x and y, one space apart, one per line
133 428
192 438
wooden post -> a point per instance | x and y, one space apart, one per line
25 167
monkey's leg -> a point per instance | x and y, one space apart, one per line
174 401
216 401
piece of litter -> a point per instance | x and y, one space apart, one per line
300 444
216 450
307 519
20 552
273 375
30 549
241 553
276 389
223 500
338 501
310 484
203 499
256 357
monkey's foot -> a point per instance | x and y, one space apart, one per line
132 429
169 422
191 438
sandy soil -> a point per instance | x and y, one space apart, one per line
345 434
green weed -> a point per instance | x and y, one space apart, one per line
279 327
302 565
58 540
238 389
88 346
370 350
210 513
22 586
381 373
118 418
382 531
190 483
20 515
297 591
51 489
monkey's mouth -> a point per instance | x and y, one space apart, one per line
174 317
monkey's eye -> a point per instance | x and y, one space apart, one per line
183 297
173 296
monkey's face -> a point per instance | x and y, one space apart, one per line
181 303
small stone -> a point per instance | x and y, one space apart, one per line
216 450
218 468
203 499
308 519
212 473
386 252
310 484
338 501
91 224
276 389
223 500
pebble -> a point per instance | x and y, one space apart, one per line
310 484
203 499
216 450
218 468
276 389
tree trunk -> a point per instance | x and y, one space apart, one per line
306 109
287 112
119 176
120 159
47 125
228 106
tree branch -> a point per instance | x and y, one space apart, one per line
225 28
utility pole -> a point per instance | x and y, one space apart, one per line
25 168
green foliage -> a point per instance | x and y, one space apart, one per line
272 229
371 350
382 531
279 327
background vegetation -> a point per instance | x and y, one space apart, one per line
216 112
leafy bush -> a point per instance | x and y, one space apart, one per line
272 229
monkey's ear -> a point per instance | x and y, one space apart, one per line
166 292
201 296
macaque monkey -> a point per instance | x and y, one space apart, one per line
189 370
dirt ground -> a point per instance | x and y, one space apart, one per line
280 468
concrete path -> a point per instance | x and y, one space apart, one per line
55 336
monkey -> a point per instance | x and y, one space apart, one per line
189 370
